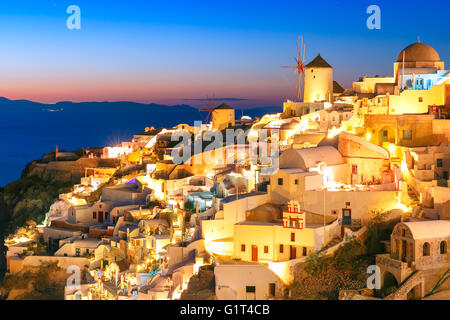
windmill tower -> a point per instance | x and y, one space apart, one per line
209 107
300 67
318 81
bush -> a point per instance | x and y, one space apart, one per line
347 255
378 229
315 262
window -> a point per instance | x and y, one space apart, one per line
250 289
266 249
292 236
305 252
280 181
439 163
296 181
407 134
94 215
272 289
354 169
385 133
77 252
281 248
242 247
443 247
426 249
420 99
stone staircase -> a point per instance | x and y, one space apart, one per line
332 243
414 280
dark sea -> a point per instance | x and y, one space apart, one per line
28 136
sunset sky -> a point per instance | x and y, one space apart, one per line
158 50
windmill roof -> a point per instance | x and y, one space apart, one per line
318 62
223 106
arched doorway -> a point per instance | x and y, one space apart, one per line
386 134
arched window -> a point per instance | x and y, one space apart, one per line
426 249
443 247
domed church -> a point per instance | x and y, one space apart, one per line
418 67
419 83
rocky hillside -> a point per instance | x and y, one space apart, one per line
41 183
201 286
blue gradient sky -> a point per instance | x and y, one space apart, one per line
161 50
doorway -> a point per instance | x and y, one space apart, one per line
100 216
255 253
403 250
293 253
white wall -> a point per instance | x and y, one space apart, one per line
361 202
231 281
